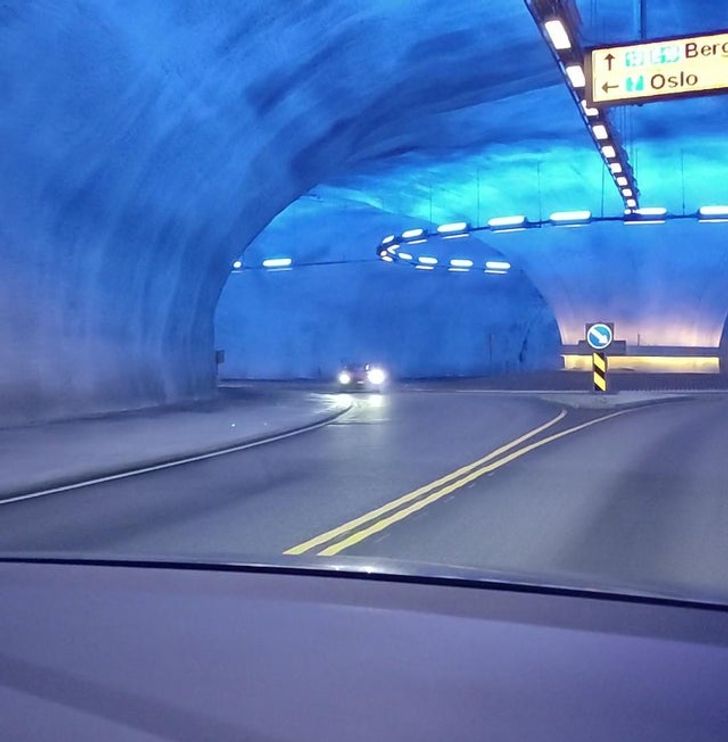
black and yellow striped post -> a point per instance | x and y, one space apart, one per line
599 368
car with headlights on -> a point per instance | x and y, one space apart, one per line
365 377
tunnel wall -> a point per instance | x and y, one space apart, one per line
144 144
307 322
662 285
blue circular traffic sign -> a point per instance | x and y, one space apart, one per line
599 336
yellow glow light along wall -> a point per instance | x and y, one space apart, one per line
649 364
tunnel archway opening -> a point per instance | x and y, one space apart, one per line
339 303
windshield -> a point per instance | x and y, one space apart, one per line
442 290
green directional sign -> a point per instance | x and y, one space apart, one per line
657 70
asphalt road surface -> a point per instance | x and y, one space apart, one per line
512 485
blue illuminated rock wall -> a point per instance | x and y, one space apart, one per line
353 308
306 323
663 285
144 144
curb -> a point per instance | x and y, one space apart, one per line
626 405
43 488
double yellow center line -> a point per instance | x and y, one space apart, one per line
354 531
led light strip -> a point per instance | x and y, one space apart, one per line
649 215
389 250
558 21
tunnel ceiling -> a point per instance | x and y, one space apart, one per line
524 149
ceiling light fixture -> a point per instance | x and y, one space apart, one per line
560 25
558 34
566 217
575 73
280 262
498 265
454 227
507 221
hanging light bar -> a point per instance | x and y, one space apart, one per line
588 110
633 214
557 34
652 211
575 73
571 217
559 23
713 214
454 227
507 222
277 262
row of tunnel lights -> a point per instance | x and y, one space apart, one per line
390 247
570 60
389 250
268 263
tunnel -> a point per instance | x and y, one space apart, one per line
153 145
363 370
338 303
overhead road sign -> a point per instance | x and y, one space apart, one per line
600 335
675 67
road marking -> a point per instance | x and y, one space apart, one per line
380 525
176 462
404 499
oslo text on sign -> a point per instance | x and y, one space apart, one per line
685 66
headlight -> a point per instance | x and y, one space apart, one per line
344 377
376 376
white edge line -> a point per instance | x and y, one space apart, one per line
176 462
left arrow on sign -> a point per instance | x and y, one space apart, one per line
607 87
